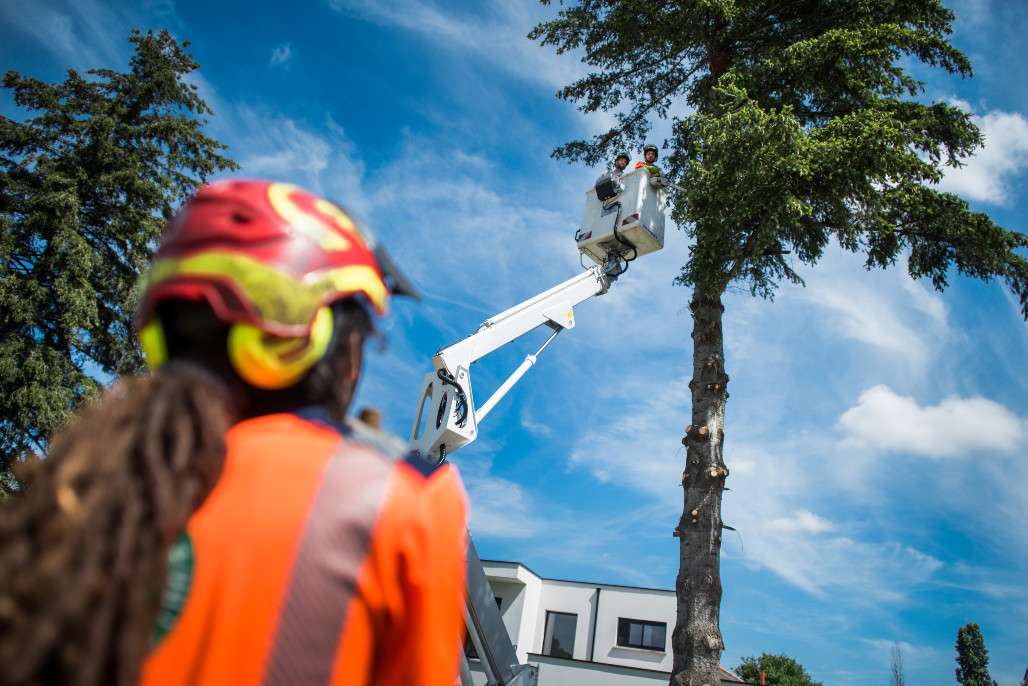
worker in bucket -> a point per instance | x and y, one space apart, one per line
612 177
649 160
620 164
220 521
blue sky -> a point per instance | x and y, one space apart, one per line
876 430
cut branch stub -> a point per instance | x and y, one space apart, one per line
716 471
695 431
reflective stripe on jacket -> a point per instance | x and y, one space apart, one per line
319 560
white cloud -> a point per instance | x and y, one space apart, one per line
535 427
319 158
972 12
88 34
641 447
928 302
989 175
815 548
464 239
787 526
501 508
884 421
281 55
864 320
905 323
80 36
865 572
496 33
803 521
885 646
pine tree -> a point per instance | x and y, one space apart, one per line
793 124
972 657
85 188
8 485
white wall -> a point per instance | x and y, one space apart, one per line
530 623
634 603
518 588
512 595
570 597
527 598
557 672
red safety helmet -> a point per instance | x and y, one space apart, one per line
269 259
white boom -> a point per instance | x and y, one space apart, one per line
623 219
447 418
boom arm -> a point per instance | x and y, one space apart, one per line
452 420
447 419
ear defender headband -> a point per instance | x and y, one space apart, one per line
261 360
273 363
151 340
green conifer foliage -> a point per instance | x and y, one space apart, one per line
793 124
972 657
86 185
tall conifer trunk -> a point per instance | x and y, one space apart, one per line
696 640
808 127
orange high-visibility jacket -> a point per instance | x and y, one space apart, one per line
316 559
653 169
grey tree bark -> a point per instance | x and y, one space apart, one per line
698 587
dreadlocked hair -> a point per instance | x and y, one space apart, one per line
83 548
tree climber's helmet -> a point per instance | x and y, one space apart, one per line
269 259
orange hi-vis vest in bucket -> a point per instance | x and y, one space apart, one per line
317 559
653 169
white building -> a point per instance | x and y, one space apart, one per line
583 633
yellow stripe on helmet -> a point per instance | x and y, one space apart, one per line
282 301
314 227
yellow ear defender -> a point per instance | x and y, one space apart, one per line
151 340
273 363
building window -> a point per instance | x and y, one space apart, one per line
559 639
638 633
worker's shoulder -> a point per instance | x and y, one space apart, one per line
389 446
360 434
359 439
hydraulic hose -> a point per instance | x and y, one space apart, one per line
460 409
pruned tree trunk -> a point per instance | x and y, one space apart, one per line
696 640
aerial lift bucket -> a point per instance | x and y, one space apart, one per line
623 217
